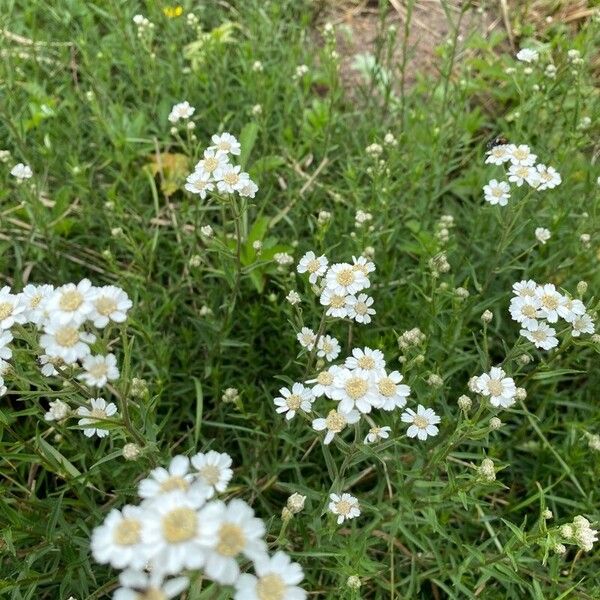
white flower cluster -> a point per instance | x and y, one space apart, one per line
495 385
579 532
21 172
522 169
143 24
61 315
181 111
534 306
215 169
340 286
180 526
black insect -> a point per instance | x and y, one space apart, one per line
499 140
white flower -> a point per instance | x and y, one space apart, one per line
283 258
323 382
316 266
550 300
248 188
500 389
521 155
337 303
359 308
328 347
527 55
226 143
99 370
213 163
392 393
232 179
542 234
239 532
582 324
277 578
21 171
57 412
138 585
498 154
542 335
182 110
570 309
345 507
199 182
67 342
299 398
12 309
34 299
118 541
100 410
363 264
110 303
548 177
370 363
335 423
307 338
344 279
520 174
497 192
49 364
354 389
71 303
293 297
525 288
6 338
525 310
301 71
213 469
423 422
377 433
178 531
177 477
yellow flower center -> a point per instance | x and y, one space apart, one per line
270 587
179 525
523 172
539 336
6 309
345 277
98 413
210 164
174 483
325 378
151 594
529 311
224 146
356 387
231 540
366 362
361 308
127 533
343 507
313 265
361 268
497 191
550 302
231 177
34 302
326 347
520 154
495 387
293 401
67 336
386 387
70 301
421 422
335 421
98 370
337 301
210 474
105 306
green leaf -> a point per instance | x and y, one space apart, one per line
247 141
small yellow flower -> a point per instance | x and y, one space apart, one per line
173 11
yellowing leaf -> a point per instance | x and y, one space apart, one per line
172 168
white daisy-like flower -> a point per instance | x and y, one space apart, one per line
570 309
335 423
315 266
392 393
57 412
582 324
528 55
498 155
231 179
248 189
359 308
178 531
98 411
182 110
226 143
525 310
354 389
12 309
363 264
519 174
500 389
307 338
213 469
377 433
550 301
6 338
109 303
212 164
199 182
497 192
542 234
99 370
337 303
290 402
525 288
21 171
328 347
67 342
177 477
422 423
34 299
118 541
139 585
346 507
365 361
277 578
344 279
323 382
542 335
239 533
548 177
71 303
521 155
49 364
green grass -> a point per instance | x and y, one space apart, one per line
86 106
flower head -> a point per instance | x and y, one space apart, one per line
422 423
